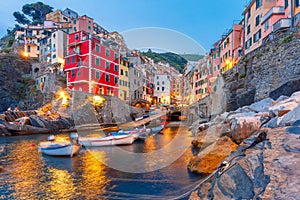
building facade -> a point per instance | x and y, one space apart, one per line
124 79
91 66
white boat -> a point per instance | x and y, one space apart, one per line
110 140
154 130
134 132
60 148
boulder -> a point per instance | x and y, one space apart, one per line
281 98
243 127
263 105
207 161
289 118
283 107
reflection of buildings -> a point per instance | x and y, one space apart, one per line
91 65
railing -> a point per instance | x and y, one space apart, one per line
282 23
274 10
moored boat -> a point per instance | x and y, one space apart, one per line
113 139
60 148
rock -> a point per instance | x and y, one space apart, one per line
267 172
286 105
296 123
273 123
291 117
208 160
263 105
281 98
293 130
282 112
243 127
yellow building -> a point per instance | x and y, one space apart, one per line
124 79
31 45
296 12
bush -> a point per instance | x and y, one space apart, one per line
287 39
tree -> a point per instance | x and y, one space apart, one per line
33 13
21 18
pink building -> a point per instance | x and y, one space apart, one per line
231 47
83 23
215 60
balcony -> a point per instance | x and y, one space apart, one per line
282 23
272 11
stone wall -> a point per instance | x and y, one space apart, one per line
263 72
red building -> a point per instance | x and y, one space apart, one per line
91 66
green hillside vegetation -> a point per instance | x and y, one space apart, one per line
192 57
173 59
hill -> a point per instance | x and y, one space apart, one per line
192 57
173 59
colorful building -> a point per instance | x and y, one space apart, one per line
231 47
124 79
91 66
83 23
253 13
162 89
31 36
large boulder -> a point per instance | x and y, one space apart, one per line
208 160
263 105
243 127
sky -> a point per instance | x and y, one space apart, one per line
189 26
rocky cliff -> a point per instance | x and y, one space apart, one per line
270 71
16 87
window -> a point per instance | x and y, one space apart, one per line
257 20
157 88
97 75
116 56
54 56
74 22
107 65
157 77
215 56
78 72
157 83
68 60
286 3
89 27
122 72
249 13
75 29
116 68
126 73
73 73
134 81
266 26
76 35
258 3
108 91
98 61
73 59
297 3
107 52
28 48
134 72
248 29
107 77
162 88
257 36
248 43
97 48
163 82
116 80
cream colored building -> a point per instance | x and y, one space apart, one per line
31 46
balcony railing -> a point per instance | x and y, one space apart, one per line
272 11
282 23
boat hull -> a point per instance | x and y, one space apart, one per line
59 149
107 141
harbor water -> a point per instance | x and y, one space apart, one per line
27 174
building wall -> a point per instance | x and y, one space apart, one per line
124 80
162 88
92 65
31 42
253 20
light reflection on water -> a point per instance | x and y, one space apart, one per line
30 175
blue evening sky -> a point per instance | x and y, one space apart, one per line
201 21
